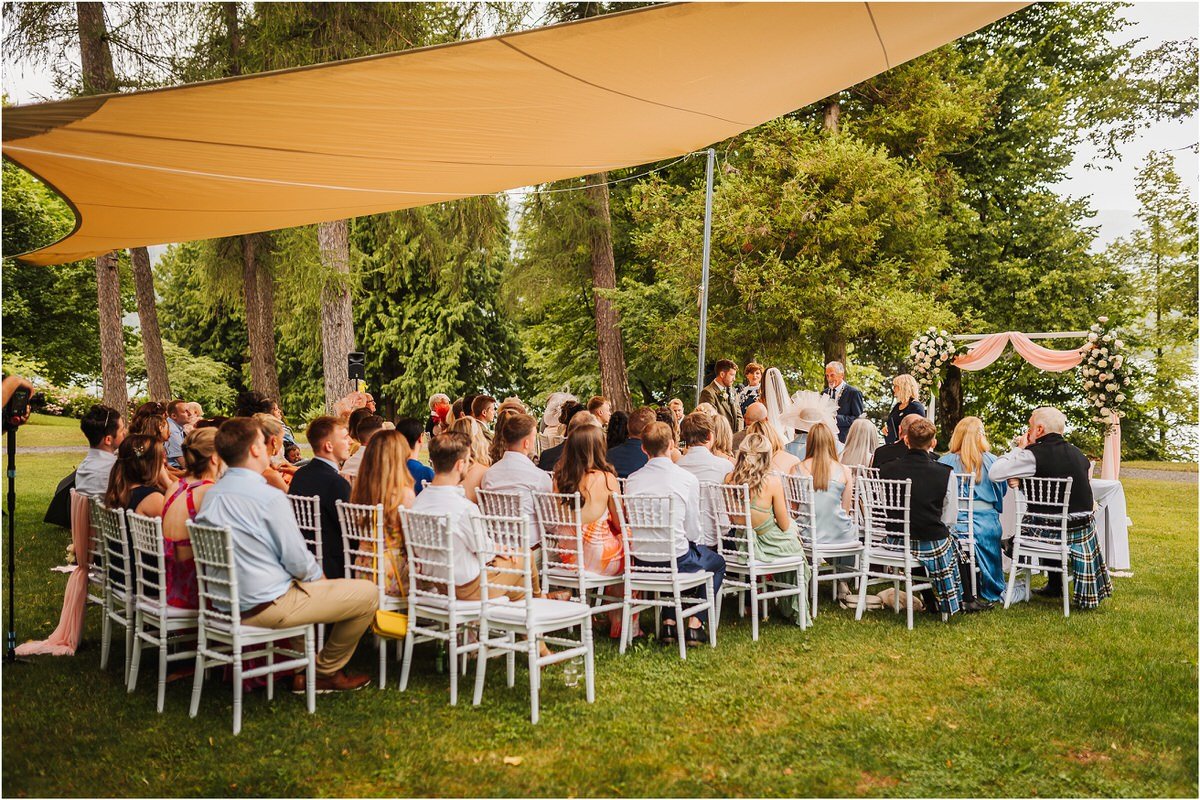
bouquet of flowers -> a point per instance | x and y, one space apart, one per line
929 352
1105 377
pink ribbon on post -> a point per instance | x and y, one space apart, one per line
66 636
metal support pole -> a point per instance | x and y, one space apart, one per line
708 199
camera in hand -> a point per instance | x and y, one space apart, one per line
16 410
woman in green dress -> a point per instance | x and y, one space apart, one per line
776 535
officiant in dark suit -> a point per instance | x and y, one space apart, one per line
849 400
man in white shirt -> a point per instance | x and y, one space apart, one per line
449 455
178 417
367 427
105 430
515 472
697 432
662 477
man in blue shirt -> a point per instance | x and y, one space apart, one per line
178 415
414 432
279 582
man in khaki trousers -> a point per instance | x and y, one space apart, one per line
279 582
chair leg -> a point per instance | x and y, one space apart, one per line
908 596
626 622
162 667
753 609
135 663
237 691
512 661
816 583
381 645
406 664
481 658
128 647
1066 591
535 679
310 672
1012 572
105 639
589 663
452 666
862 590
271 673
680 627
713 614
198 678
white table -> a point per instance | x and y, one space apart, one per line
1112 521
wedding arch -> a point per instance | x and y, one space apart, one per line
1099 358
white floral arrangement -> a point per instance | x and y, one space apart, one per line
929 353
1105 374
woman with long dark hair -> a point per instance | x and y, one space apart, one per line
618 429
383 477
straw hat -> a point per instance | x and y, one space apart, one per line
809 409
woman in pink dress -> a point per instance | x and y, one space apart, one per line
202 466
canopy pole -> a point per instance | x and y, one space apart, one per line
708 199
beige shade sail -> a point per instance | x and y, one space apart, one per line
294 147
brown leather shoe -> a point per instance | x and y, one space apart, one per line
340 681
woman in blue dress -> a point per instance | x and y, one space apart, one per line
970 453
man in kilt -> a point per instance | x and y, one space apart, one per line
932 510
1042 452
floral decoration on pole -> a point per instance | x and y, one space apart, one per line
929 353
1105 377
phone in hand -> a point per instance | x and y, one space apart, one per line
16 411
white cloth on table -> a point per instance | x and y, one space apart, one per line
1112 521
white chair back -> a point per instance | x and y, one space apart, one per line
216 580
308 519
558 516
860 472
499 504
97 577
362 540
798 490
150 568
507 536
710 517
1043 506
649 535
429 545
886 510
731 512
113 531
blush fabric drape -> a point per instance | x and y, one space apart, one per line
985 352
66 636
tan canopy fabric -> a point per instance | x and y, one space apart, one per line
376 134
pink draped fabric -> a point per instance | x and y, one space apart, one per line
1110 463
989 348
66 636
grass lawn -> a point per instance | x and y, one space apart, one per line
1168 466
1009 703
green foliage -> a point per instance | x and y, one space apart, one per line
194 378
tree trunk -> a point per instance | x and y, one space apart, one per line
112 333
259 294
614 382
98 78
337 320
835 348
156 362
833 116
950 402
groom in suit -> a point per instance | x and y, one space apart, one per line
849 400
721 396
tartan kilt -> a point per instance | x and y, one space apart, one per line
1086 564
940 558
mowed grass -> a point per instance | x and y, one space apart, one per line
1011 703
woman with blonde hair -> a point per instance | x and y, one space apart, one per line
905 390
861 441
722 438
272 430
833 487
970 453
383 478
201 468
781 459
776 536
480 460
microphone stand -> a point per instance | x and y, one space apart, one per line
10 650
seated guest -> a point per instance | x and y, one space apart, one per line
250 403
698 437
601 409
833 487
497 448
483 409
195 414
776 534
667 417
444 496
676 406
583 468
617 430
861 441
352 402
352 422
480 460
279 582
969 454
178 417
513 403
210 422
439 409
320 477
905 390
411 428
552 424
139 483
708 409
154 425
383 478
628 457
368 426
781 459
105 430
278 476
932 508
722 439
202 467
289 438
550 455
1042 452
662 476
898 448
514 471
291 453
755 412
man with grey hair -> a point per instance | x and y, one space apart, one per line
1042 452
849 399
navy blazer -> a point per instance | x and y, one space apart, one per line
316 478
850 408
549 457
628 457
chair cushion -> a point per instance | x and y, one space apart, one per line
544 611
442 603
147 607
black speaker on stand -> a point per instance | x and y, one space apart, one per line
356 368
